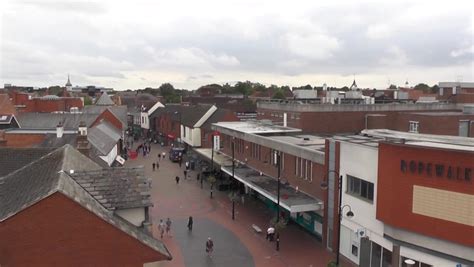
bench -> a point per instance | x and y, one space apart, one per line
256 228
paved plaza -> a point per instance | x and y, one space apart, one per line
236 243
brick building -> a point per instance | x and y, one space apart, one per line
190 125
49 103
259 149
331 118
409 195
63 223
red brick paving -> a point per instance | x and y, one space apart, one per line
297 247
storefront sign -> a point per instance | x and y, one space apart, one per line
436 170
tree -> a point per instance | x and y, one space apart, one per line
423 87
244 88
392 86
166 89
87 101
308 87
435 89
278 94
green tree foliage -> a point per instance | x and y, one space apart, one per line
244 88
435 89
169 93
87 101
278 94
423 87
392 86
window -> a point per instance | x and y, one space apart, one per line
355 250
376 255
414 126
360 188
387 258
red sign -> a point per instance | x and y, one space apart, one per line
170 136
216 133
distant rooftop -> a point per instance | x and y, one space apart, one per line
454 84
256 127
426 140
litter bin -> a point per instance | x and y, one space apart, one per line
192 164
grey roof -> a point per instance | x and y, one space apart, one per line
29 120
104 100
119 111
12 159
190 115
103 137
217 116
117 188
49 175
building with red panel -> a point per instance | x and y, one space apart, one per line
410 196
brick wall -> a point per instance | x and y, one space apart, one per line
23 140
59 232
311 187
109 117
52 105
428 124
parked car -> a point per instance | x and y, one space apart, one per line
176 154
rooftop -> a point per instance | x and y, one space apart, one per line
255 127
50 174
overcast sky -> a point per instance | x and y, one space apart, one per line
135 44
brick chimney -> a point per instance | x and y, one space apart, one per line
82 144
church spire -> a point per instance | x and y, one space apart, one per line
68 81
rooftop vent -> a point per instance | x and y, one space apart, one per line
306 138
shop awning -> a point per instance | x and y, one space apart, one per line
219 158
290 199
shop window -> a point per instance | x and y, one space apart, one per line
414 126
376 255
386 258
360 188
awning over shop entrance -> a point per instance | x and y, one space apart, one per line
219 158
290 199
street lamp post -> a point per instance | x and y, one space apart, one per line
278 159
350 214
233 180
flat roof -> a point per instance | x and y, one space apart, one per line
255 127
441 113
308 141
426 140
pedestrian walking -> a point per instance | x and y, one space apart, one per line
168 226
157 165
185 174
159 156
187 165
209 246
190 223
163 155
161 227
154 165
180 162
270 233
177 179
198 176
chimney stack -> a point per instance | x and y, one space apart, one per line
59 130
82 144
